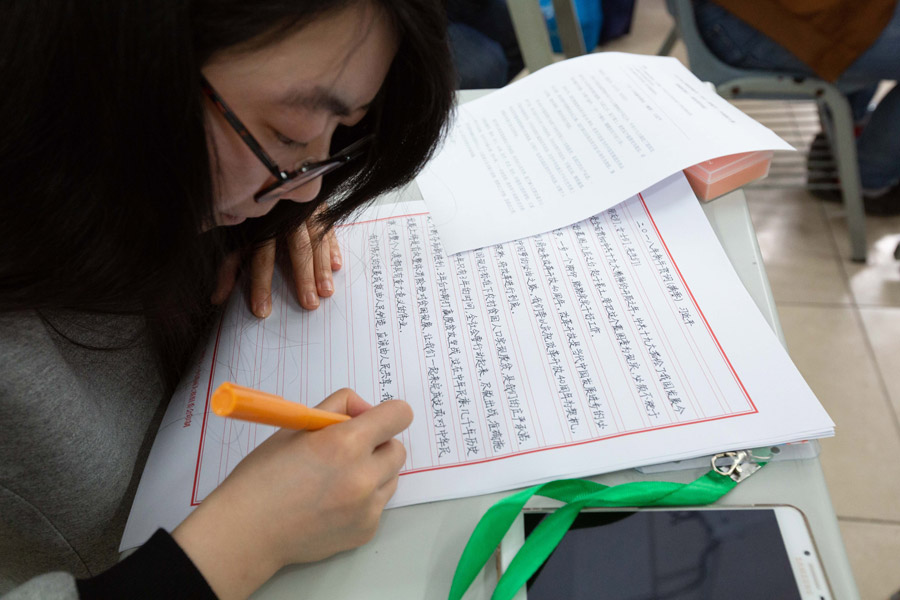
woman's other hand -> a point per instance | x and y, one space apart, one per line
299 497
314 257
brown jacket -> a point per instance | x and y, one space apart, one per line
828 35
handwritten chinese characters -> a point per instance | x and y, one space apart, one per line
580 334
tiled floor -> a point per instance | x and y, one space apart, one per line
842 323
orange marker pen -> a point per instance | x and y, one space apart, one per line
238 402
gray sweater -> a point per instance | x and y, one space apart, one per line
75 427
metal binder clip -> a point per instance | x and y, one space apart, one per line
737 464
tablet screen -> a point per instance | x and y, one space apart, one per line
671 555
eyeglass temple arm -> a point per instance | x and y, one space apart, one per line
241 130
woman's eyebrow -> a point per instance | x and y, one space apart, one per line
317 99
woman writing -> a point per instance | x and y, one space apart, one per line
145 146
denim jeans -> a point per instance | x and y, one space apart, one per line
878 147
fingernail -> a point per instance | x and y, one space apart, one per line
336 261
264 308
327 286
310 299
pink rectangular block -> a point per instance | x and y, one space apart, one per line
713 178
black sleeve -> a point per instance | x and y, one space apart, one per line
158 569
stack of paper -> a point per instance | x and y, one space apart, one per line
621 340
574 139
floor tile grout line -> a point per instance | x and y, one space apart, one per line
868 520
836 304
874 306
811 304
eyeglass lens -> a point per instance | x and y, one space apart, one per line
276 193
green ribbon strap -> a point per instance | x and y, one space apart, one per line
577 494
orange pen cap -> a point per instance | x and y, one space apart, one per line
239 402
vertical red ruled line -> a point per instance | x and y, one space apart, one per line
723 402
552 316
206 409
282 338
227 424
469 360
258 376
639 342
285 335
283 342
613 290
394 325
697 306
515 350
671 354
325 308
444 354
350 338
489 342
574 379
420 354
306 346
301 363
535 337
604 378
585 334
373 349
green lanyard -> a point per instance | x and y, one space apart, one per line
578 494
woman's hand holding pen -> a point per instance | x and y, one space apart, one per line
314 256
299 497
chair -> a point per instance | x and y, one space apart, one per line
834 109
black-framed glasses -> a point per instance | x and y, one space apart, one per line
285 181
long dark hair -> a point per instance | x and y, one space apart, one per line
104 168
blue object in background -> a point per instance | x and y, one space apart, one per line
617 17
589 15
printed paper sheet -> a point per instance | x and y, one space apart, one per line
623 340
573 139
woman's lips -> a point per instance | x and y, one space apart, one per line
229 219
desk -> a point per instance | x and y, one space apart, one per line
415 551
